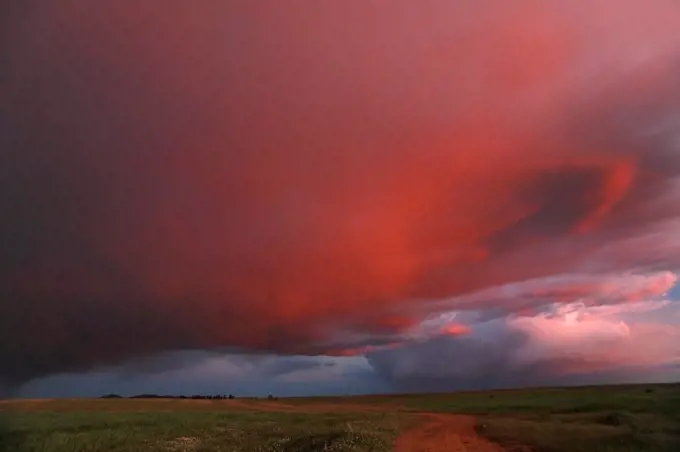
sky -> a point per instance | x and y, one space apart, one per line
337 197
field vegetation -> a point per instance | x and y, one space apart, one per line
592 419
149 427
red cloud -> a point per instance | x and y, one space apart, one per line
456 330
293 178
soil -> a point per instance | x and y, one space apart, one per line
433 433
444 433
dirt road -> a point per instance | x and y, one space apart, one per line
444 433
436 433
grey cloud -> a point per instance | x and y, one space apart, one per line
257 376
461 362
491 357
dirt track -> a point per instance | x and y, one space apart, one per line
444 433
436 432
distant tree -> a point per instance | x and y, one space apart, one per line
231 396
111 396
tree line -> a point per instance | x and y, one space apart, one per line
192 397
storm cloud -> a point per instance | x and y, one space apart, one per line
321 178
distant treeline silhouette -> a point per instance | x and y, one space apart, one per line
156 396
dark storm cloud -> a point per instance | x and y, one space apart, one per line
163 362
454 363
240 375
263 366
293 178
287 366
497 355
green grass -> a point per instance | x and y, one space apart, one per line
662 399
598 431
589 419
593 419
117 430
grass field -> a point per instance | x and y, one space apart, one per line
612 418
592 419
144 428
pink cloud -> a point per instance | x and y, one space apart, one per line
596 338
533 295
